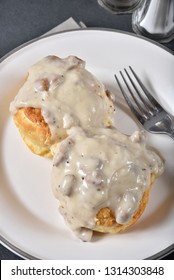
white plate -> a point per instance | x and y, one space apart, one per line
30 223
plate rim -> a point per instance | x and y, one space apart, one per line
21 253
3 241
86 30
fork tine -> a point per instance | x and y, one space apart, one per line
130 104
146 92
135 100
146 108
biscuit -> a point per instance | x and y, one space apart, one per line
59 94
102 179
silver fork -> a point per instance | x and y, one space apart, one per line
148 111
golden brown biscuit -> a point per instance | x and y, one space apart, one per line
102 179
58 94
35 131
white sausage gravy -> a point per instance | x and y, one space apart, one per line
67 94
101 168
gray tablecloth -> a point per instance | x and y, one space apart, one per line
23 20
